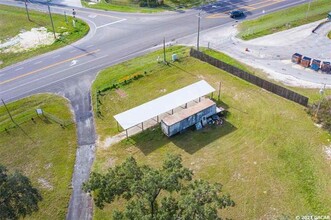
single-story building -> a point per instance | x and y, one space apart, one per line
172 124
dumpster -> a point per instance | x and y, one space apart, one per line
315 65
296 58
305 62
326 67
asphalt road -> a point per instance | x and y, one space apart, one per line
113 38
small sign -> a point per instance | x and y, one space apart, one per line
39 111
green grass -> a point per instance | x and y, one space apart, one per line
103 5
10 29
284 19
124 6
45 152
329 34
269 154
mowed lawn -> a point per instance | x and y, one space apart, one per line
43 151
134 7
13 20
269 154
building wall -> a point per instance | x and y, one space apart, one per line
187 122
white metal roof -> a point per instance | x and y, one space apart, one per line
163 104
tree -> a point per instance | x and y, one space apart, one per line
165 193
18 198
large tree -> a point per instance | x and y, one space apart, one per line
18 198
165 193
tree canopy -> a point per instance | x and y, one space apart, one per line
165 193
18 198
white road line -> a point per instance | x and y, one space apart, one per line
101 26
38 62
56 56
90 46
13 88
72 51
20 68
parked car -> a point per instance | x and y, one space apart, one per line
237 14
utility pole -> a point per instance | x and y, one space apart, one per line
219 91
322 96
198 31
50 16
27 11
164 51
11 117
65 17
308 8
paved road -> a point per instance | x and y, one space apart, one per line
114 37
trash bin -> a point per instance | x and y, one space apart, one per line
315 65
326 67
305 62
296 58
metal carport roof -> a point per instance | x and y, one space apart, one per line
156 107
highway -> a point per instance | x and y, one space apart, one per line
113 38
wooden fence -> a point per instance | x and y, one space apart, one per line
269 86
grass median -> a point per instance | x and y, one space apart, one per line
269 155
132 7
41 149
13 20
284 19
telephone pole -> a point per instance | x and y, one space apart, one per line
50 16
198 39
27 10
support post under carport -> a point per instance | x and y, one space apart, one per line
126 132
142 126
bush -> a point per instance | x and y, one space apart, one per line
321 113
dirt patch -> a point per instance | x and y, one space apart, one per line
47 166
109 141
28 40
327 150
45 184
121 93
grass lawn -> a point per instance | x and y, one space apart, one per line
127 6
268 155
9 29
284 19
45 153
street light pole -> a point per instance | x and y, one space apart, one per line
198 39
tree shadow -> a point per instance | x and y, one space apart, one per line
189 140
192 141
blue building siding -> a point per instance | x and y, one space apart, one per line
187 122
